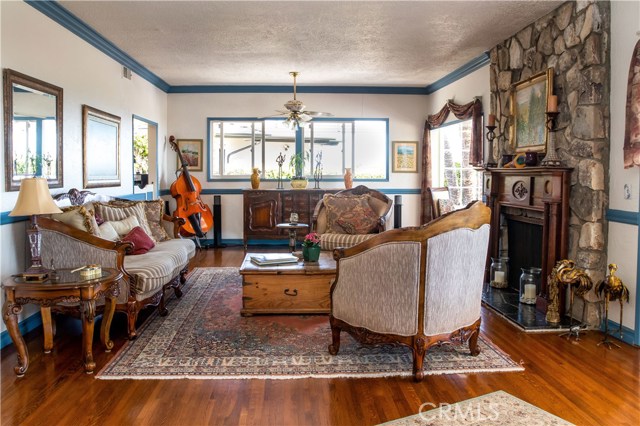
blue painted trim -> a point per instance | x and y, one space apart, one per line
621 216
134 197
5 219
152 123
471 66
239 191
628 335
365 90
25 326
62 16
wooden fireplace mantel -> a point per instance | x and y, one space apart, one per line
542 191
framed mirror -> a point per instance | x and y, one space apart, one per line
32 130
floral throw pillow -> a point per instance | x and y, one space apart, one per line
154 210
350 214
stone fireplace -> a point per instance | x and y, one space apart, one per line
574 41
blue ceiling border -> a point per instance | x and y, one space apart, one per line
68 20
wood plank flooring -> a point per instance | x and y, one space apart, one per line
578 381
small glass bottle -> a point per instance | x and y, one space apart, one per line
499 275
529 285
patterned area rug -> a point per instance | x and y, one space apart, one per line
204 337
496 409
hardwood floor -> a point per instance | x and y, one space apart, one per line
577 381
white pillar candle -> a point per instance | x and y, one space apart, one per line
529 291
499 277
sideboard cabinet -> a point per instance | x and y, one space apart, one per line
265 208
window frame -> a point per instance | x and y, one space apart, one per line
299 145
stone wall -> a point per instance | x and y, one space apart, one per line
574 40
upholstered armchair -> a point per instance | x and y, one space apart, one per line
350 216
417 287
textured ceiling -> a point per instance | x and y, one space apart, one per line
389 43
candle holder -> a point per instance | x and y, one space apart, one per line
551 159
490 137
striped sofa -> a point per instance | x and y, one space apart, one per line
146 276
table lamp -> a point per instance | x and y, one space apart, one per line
34 199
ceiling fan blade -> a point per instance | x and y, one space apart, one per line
305 117
318 114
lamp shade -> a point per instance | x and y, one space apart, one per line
34 198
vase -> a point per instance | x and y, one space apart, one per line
348 179
531 159
255 178
311 254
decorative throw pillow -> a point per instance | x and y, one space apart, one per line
154 210
77 217
350 214
142 243
124 226
445 206
111 212
108 232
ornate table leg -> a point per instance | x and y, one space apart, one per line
88 312
10 311
107 317
47 329
292 240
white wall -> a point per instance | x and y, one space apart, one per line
623 239
34 45
188 113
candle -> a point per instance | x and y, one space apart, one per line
530 291
552 103
492 120
499 277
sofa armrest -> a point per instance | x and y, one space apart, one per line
178 222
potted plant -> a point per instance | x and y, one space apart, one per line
311 247
297 162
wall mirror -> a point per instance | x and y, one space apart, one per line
32 130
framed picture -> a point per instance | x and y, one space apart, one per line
528 107
191 150
100 148
404 157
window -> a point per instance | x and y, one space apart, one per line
450 153
239 145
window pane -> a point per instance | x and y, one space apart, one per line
278 140
328 139
237 148
370 150
215 149
450 150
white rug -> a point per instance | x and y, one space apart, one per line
496 409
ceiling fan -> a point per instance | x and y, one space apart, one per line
295 113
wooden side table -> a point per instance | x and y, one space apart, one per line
292 228
69 287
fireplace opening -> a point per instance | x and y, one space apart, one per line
525 248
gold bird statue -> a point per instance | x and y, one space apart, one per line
565 273
613 289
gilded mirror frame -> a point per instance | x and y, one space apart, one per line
11 77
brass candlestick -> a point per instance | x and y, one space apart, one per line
551 159
490 137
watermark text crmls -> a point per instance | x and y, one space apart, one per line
471 411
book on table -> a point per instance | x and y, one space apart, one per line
273 259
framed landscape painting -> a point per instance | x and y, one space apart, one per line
191 150
528 107
101 148
405 157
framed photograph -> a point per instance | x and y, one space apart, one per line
528 107
404 157
191 150
100 148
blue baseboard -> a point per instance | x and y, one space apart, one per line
628 335
26 325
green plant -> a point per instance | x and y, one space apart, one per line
141 154
297 163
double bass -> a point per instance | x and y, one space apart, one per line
186 190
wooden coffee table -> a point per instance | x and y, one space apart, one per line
297 288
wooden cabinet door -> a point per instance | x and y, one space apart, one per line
262 211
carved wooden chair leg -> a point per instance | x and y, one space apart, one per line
162 308
473 342
334 347
419 349
132 317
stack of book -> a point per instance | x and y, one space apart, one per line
273 259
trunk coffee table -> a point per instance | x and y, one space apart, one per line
295 288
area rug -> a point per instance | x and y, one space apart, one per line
496 409
205 337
